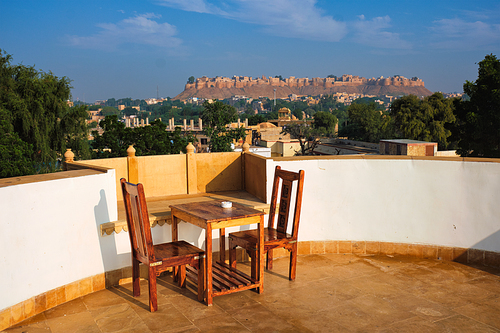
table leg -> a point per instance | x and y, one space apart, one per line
261 255
208 253
222 245
175 238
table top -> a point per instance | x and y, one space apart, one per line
211 211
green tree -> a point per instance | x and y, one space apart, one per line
325 122
298 114
109 111
215 117
15 154
129 111
42 125
477 129
147 140
428 119
256 119
366 123
191 79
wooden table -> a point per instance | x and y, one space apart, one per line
220 278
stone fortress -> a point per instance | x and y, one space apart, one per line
224 87
344 80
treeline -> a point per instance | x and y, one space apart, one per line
37 124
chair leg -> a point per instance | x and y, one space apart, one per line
253 264
136 286
232 254
269 261
293 262
201 279
153 302
182 276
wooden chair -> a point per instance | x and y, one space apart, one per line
158 258
274 237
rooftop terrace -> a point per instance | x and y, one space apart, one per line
383 240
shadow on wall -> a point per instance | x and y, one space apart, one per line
107 245
228 179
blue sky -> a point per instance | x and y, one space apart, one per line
129 48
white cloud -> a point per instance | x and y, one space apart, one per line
198 6
374 33
285 18
459 34
140 29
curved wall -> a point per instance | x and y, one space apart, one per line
52 251
447 202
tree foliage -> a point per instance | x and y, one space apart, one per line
37 123
215 117
367 123
427 119
147 140
325 122
477 129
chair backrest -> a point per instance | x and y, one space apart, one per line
139 228
286 178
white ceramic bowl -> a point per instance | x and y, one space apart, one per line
226 204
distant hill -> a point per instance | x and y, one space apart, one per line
223 87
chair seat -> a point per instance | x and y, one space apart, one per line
272 237
180 249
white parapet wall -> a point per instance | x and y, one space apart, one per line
402 200
50 233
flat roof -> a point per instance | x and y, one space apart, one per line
408 141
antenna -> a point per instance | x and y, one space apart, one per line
157 94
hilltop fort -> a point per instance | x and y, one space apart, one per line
224 87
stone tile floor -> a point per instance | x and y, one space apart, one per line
332 293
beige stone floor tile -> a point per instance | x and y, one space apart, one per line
220 324
425 274
490 283
486 311
166 318
353 270
103 298
325 293
316 322
191 329
118 318
440 294
415 324
365 313
68 308
373 286
259 318
461 323
234 301
420 307
399 281
75 323
387 264
193 309
125 293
